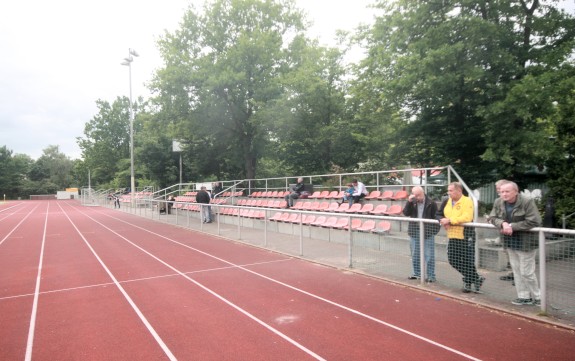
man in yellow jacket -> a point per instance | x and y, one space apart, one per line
458 209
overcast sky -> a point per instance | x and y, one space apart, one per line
58 57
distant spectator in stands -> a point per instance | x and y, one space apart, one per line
295 192
359 191
513 214
216 189
455 211
420 205
170 203
203 197
348 194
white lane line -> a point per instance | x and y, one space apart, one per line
141 279
333 303
18 225
32 326
215 294
143 318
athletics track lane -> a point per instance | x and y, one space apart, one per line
197 325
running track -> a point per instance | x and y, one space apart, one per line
90 283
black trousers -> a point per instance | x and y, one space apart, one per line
461 256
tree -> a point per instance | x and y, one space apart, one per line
223 68
53 167
106 141
446 68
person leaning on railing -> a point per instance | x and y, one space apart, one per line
454 212
513 214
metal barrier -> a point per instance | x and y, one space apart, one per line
386 251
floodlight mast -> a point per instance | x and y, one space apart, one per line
128 62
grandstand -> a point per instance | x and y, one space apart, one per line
369 237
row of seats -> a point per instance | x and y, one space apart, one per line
373 195
333 222
180 200
325 206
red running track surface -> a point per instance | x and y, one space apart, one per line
90 283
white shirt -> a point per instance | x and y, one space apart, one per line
360 189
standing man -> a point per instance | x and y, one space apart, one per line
295 192
458 209
203 197
360 191
513 214
419 205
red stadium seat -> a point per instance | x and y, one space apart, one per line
399 195
367 226
368 207
379 210
382 227
330 222
394 210
386 195
341 223
355 224
373 195
355 208
319 221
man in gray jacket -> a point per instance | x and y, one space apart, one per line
513 214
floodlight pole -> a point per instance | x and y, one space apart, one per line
128 62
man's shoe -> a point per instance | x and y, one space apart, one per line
479 283
430 280
466 288
413 277
522 301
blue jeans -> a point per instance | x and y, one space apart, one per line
429 253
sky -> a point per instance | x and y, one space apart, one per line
60 56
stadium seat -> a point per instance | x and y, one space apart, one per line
367 226
379 210
373 195
319 221
342 208
315 194
308 219
341 223
332 207
386 195
355 208
293 218
323 206
368 207
314 206
332 195
298 205
355 224
306 206
394 210
330 222
400 195
276 216
285 216
382 227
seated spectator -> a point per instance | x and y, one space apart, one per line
359 191
295 192
348 194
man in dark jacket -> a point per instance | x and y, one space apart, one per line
295 192
420 205
203 197
513 214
